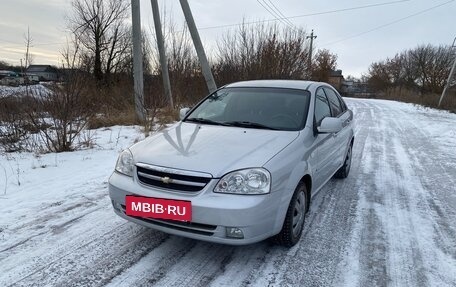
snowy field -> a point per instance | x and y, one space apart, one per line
392 222
38 89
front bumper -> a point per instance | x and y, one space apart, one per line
212 213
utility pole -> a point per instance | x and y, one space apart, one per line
450 77
311 37
162 52
207 73
138 61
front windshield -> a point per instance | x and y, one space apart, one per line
264 108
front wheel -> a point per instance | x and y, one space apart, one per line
345 169
294 219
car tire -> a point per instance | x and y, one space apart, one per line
294 220
344 170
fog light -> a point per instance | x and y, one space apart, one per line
234 232
117 206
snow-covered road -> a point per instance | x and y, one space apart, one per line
391 222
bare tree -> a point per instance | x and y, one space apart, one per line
28 56
28 44
423 68
262 52
378 77
4 65
99 27
422 58
324 62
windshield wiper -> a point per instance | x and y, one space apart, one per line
205 121
245 124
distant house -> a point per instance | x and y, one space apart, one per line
30 78
348 87
44 72
10 78
355 89
5 73
336 79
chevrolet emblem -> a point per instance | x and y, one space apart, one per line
166 180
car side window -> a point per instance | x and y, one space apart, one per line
322 109
344 106
342 103
336 108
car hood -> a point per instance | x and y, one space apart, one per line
211 149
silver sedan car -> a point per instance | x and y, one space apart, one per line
241 166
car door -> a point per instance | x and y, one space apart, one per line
324 141
342 138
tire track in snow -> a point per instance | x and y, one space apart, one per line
373 243
43 246
397 221
434 237
98 261
154 266
199 266
387 246
365 257
52 218
437 177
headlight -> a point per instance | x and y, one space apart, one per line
124 164
246 181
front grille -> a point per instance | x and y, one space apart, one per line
170 180
197 228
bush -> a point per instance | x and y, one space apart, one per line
14 126
64 111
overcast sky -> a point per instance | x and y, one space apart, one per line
358 36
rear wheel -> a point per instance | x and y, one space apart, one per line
345 169
294 219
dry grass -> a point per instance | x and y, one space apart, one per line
126 117
166 115
428 100
414 97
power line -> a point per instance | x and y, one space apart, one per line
39 44
389 23
280 13
7 41
273 13
305 15
263 21
308 15
49 44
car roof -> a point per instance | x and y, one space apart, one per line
289 84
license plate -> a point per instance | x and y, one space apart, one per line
158 208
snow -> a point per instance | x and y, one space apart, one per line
391 222
37 90
40 194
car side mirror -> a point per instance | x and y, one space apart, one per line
330 125
183 112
